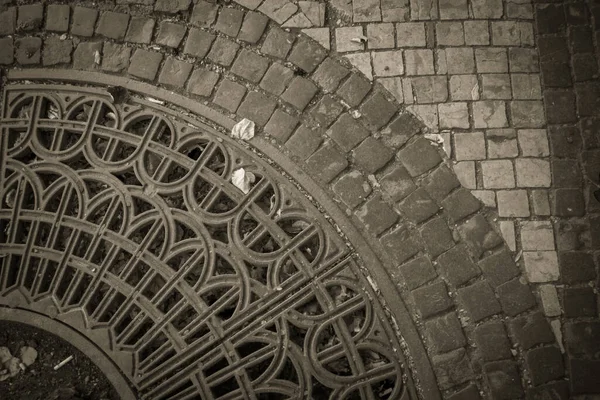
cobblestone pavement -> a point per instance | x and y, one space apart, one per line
501 292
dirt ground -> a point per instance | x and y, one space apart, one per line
79 379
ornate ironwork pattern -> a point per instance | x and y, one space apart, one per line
125 214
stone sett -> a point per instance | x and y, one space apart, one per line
489 114
327 162
397 183
8 21
479 301
300 92
437 237
541 266
498 174
223 51
419 62
400 244
450 33
304 142
452 368
440 183
476 33
492 341
175 72
140 30
515 297
278 43
418 206
498 267
112 25
84 20
410 34
28 50
170 34
460 204
85 54
172 6
115 57
229 95
376 215
537 235
250 66
344 39
198 43
576 267
354 89
527 114
253 27
326 111
377 110
533 142
204 14
464 87
503 379
456 266
532 172
371 155
145 64
417 272
432 299
352 188
276 79
476 232
257 107
453 115
281 125
307 54
469 146
531 330
579 302
388 63
329 75
419 157
229 21
444 333
465 172
202 82
57 17
57 51
513 203
502 143
30 17
6 51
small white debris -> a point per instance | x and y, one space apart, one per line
63 36
355 114
519 254
359 39
434 137
53 112
96 57
155 101
63 363
10 198
242 180
28 355
243 130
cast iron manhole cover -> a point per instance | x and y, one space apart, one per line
121 220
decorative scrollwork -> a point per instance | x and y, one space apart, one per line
125 214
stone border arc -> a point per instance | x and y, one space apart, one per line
82 343
459 206
400 315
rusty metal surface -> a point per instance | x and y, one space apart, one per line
120 219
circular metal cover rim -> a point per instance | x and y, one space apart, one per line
82 343
418 357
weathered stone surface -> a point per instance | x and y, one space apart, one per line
498 267
456 266
57 51
452 368
479 301
417 272
531 330
376 215
503 379
444 333
304 142
544 364
492 341
515 297
352 188
437 237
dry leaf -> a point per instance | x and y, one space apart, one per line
243 130
242 180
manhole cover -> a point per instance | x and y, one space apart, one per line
122 221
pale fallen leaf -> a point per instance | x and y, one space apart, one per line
242 180
243 130
434 137
53 112
28 355
359 39
152 100
355 114
96 57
